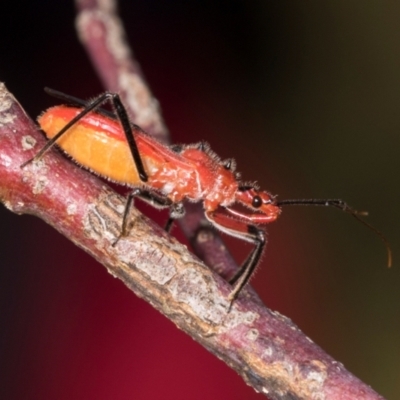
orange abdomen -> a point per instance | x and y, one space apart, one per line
96 142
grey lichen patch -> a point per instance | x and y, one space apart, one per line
252 334
40 185
72 209
5 160
157 264
237 317
34 168
113 204
102 22
34 175
5 98
140 100
200 294
83 23
97 225
139 249
102 217
337 365
286 320
287 368
120 208
314 381
317 377
6 118
14 207
6 101
116 42
308 379
28 142
268 352
7 204
137 93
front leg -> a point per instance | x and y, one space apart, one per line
229 223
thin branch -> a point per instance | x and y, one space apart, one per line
264 347
102 33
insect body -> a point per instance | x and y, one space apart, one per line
193 172
165 176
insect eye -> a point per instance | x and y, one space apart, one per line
256 202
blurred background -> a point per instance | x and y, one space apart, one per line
306 97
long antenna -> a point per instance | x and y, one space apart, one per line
341 205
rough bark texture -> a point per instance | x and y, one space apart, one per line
264 347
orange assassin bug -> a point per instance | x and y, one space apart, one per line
165 176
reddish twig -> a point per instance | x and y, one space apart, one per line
102 33
265 348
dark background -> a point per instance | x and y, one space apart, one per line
306 97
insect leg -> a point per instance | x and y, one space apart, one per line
243 275
224 220
125 123
156 200
66 97
127 127
124 230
